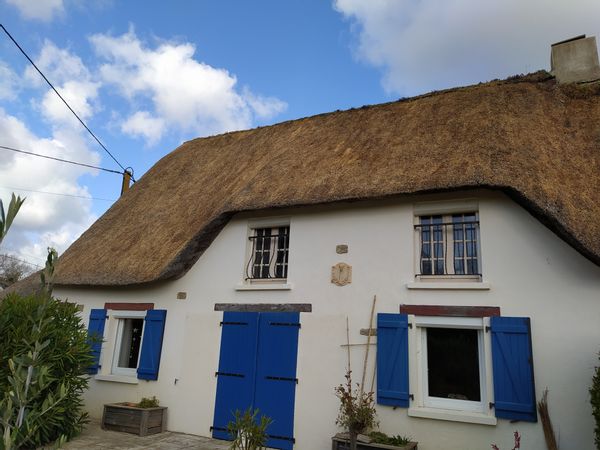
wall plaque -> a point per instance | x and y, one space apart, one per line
341 274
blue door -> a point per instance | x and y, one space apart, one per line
257 368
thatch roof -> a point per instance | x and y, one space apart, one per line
535 140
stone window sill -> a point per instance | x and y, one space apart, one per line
453 416
117 379
450 285
264 287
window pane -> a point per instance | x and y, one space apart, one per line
453 363
131 338
426 267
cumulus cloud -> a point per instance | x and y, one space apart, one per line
9 83
72 79
42 10
143 124
185 94
434 44
44 219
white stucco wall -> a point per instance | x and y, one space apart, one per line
531 273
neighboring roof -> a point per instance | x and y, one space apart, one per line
535 140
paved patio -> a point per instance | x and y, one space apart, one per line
96 438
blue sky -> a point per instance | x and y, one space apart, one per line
149 75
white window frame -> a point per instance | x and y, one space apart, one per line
449 409
266 283
117 335
445 209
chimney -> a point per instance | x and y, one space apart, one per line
575 60
126 180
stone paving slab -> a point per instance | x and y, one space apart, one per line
95 438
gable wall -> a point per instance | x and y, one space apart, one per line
531 272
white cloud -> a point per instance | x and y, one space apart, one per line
433 44
186 94
9 83
143 124
71 78
44 220
43 10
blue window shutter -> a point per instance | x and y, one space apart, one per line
275 388
154 327
237 368
392 360
514 387
96 333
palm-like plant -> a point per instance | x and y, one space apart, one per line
6 220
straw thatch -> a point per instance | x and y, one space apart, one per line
535 140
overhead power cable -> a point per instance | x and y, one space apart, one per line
63 100
12 149
20 260
56 193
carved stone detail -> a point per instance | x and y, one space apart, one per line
341 274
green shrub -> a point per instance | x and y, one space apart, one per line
247 432
44 356
381 438
148 402
595 400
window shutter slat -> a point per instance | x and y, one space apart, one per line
154 328
392 360
96 333
514 386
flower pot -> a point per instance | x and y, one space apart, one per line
338 443
129 418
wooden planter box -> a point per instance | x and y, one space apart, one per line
338 443
129 418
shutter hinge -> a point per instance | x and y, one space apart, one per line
491 404
410 325
487 329
412 397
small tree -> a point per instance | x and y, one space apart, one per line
595 400
12 270
357 409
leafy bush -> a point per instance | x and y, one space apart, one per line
44 356
595 400
357 409
148 402
247 432
381 438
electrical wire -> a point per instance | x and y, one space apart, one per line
20 260
56 193
12 149
63 100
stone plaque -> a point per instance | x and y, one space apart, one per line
341 274
342 248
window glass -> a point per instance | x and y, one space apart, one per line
131 339
453 363
269 253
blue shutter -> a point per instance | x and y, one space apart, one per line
154 327
237 366
392 360
96 333
276 375
514 387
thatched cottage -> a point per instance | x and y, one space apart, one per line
225 276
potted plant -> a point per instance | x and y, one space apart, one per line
143 418
357 410
375 440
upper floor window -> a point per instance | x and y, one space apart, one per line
269 253
448 244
